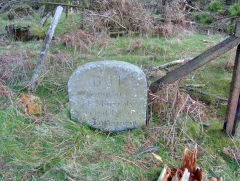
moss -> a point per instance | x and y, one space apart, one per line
234 10
37 31
230 28
214 6
203 18
193 129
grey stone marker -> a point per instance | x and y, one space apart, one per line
108 95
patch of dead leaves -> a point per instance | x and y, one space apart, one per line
30 104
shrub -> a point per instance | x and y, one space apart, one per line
214 6
234 10
37 31
203 18
230 27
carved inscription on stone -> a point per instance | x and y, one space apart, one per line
108 95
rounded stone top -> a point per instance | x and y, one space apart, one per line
108 95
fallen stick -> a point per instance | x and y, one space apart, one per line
108 17
198 61
41 61
129 161
52 3
172 63
44 19
195 85
189 89
147 151
235 157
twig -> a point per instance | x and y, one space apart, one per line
69 178
189 89
172 131
234 155
160 127
195 85
108 18
7 5
226 18
100 52
53 3
147 151
213 174
192 7
237 151
199 146
44 19
129 161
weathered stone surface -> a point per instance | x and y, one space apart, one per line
108 95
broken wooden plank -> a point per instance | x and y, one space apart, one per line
196 62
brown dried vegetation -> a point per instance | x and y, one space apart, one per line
169 103
235 153
174 19
114 15
5 90
80 39
15 67
31 104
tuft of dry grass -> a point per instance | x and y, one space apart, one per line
230 63
174 23
134 45
5 90
78 39
82 40
116 16
15 67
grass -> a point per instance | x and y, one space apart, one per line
53 147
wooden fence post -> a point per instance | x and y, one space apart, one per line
200 60
41 59
233 109
233 95
236 128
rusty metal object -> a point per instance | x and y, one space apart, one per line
233 95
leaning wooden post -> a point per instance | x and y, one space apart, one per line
41 61
233 110
197 62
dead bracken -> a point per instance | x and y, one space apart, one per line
169 104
